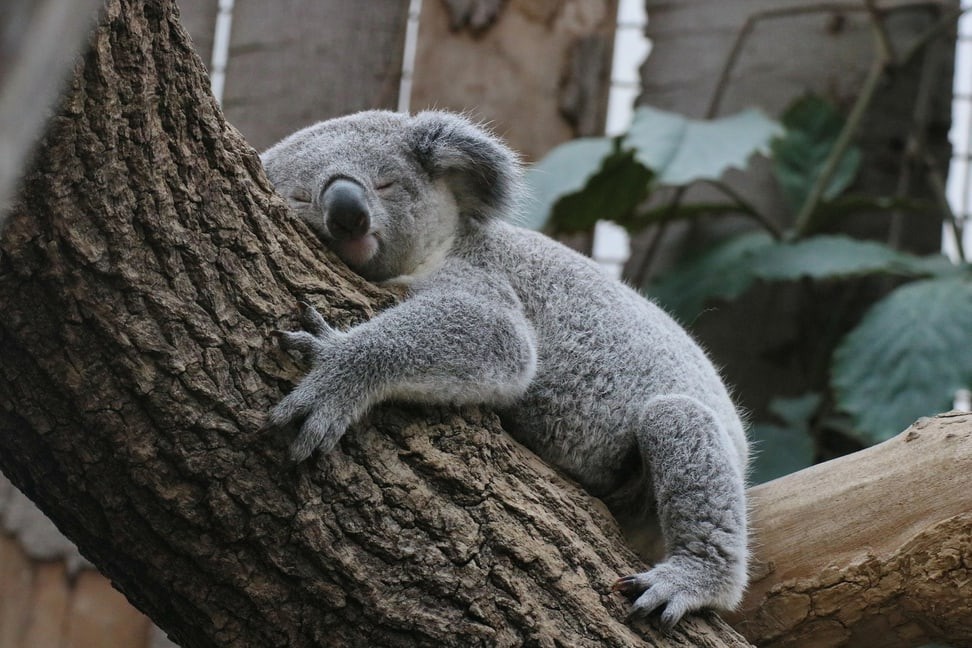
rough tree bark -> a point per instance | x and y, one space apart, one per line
874 548
141 276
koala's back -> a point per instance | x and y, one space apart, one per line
602 352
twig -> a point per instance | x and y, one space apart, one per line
847 133
930 34
747 28
747 208
884 44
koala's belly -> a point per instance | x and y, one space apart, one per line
586 437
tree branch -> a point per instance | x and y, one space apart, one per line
874 544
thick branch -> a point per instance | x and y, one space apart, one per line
141 278
874 544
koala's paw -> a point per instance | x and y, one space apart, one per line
315 403
678 587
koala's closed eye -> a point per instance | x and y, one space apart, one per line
385 184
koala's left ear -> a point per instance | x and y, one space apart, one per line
483 173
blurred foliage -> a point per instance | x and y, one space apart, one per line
907 356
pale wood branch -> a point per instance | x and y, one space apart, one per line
874 548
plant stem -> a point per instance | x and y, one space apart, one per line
851 126
747 208
930 34
723 83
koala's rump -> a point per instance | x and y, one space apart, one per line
602 352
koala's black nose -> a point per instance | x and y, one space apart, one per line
345 209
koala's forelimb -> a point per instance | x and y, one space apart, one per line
440 347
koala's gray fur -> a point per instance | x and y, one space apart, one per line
583 370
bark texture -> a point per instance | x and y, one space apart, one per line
141 277
874 548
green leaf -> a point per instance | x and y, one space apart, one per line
610 194
728 269
565 170
906 358
834 257
812 126
723 271
681 151
783 449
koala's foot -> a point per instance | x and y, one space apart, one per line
316 400
679 587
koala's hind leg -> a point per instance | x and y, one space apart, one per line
699 492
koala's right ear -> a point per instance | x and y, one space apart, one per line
483 173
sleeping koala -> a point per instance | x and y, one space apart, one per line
581 369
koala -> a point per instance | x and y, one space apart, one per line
581 369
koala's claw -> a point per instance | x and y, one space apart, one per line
627 585
668 585
319 404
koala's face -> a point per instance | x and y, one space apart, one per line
386 191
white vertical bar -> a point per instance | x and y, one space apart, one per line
221 42
612 245
408 56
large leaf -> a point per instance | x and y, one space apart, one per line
565 170
906 358
723 271
680 150
812 126
834 257
782 449
611 194
727 270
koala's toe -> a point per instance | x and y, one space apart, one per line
300 451
300 341
313 322
292 407
655 596
674 588
675 609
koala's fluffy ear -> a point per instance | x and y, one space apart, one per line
483 173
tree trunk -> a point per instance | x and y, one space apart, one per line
877 544
538 72
141 276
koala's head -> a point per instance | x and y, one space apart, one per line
387 190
